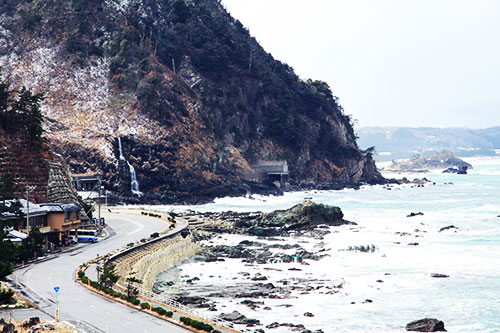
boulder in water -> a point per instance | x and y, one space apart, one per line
426 325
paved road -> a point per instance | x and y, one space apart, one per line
90 312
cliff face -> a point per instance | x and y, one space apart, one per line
192 97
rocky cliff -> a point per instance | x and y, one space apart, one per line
191 95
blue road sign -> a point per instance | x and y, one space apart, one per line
56 289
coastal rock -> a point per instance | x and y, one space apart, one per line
260 231
441 159
252 304
308 314
237 318
307 219
362 248
259 277
259 255
194 301
438 275
294 327
426 325
447 228
412 214
303 216
459 171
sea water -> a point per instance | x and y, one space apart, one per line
396 277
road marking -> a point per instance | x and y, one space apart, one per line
140 227
78 299
93 306
128 322
109 314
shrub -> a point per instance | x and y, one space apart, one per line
123 297
197 324
6 296
81 274
145 305
169 314
216 331
95 284
134 300
185 320
154 235
108 291
143 240
160 310
130 244
85 279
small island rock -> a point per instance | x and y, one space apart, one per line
426 325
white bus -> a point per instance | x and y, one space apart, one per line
88 236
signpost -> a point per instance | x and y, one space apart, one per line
56 289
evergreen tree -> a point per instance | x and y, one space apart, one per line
21 111
131 289
108 277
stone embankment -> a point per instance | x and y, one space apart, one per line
145 261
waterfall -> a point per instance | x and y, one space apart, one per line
134 184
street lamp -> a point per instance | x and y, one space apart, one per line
29 188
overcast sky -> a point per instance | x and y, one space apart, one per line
391 62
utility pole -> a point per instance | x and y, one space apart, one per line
29 188
99 204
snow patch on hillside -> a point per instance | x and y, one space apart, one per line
81 98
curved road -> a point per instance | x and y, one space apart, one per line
88 311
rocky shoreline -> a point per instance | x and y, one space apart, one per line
271 246
255 263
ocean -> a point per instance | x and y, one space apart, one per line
385 289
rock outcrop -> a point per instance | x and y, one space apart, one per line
192 96
440 160
303 217
426 325
459 171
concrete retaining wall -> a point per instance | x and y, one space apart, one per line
149 259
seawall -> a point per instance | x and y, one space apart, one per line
148 259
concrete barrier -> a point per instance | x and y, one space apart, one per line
148 259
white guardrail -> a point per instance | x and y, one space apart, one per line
177 305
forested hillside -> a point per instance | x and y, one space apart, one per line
192 96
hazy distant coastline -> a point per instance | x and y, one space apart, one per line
404 142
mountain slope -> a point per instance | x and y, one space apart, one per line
191 94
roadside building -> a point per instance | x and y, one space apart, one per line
54 220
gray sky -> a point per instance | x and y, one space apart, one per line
391 62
